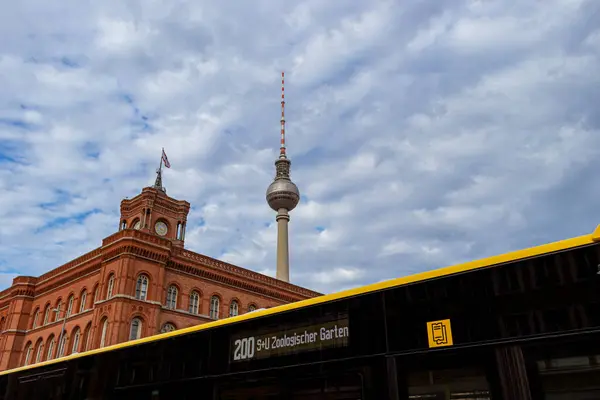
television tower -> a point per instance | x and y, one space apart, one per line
283 196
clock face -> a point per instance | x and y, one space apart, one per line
137 225
161 228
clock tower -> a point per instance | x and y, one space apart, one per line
154 212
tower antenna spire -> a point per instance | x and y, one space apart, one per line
283 196
282 147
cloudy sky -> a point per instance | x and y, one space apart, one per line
421 133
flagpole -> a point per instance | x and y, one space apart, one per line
158 183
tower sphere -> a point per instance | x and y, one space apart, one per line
283 193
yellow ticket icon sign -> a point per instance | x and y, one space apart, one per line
439 333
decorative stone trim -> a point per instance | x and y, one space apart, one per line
192 270
242 272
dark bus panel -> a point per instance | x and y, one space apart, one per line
527 329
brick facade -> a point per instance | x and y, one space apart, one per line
141 281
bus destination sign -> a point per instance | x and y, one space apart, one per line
290 341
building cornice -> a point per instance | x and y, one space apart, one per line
233 284
230 281
67 281
243 273
58 322
157 200
137 236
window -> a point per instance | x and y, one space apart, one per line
96 291
136 329
86 337
575 375
47 315
28 353
110 286
50 354
57 310
36 316
172 297
214 307
251 308
82 300
70 306
39 354
75 346
104 330
141 287
233 308
470 382
194 302
168 327
61 345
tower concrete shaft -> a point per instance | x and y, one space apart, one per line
283 253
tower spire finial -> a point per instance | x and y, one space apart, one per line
282 147
158 182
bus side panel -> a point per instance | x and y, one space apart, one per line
83 378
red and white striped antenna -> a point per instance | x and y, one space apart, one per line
282 148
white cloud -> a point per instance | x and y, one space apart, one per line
421 134
336 276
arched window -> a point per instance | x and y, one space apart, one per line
50 354
36 317
214 307
110 286
96 292
28 353
86 337
135 331
194 302
57 310
104 332
39 353
2 321
62 344
75 342
233 308
172 297
168 327
141 287
82 301
70 306
251 308
47 314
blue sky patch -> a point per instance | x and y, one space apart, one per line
15 123
68 62
77 218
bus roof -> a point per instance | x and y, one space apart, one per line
375 287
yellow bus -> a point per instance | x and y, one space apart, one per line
523 325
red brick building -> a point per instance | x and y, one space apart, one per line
140 282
